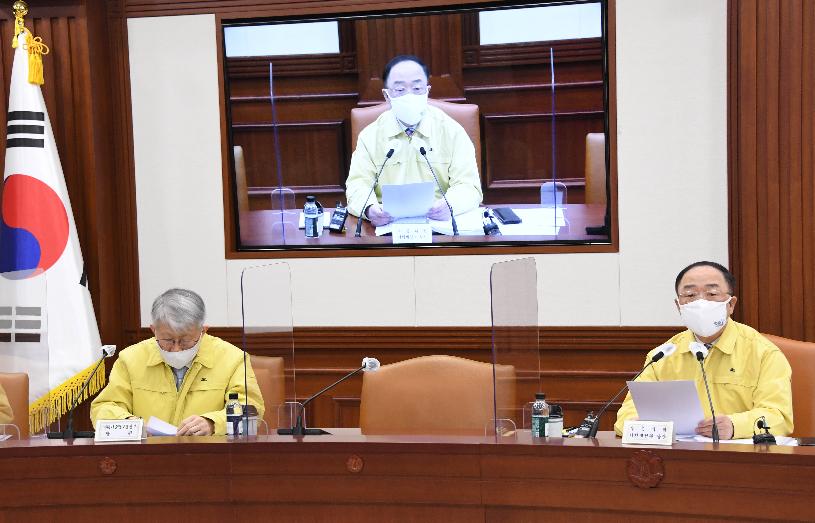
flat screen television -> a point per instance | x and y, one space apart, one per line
528 84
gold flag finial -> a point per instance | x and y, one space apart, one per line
20 9
34 45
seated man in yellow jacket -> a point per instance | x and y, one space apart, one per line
182 376
409 123
749 377
6 415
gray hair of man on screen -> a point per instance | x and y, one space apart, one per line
179 310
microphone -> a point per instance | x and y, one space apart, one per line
69 432
700 351
420 147
368 365
765 438
590 425
393 146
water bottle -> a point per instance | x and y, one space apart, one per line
313 218
234 412
540 415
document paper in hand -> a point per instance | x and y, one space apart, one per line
675 401
408 200
158 427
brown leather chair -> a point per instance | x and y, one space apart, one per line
272 384
240 179
464 114
433 395
801 355
595 168
16 386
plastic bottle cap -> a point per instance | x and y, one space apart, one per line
540 396
311 199
233 395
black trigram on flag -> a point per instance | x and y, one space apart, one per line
26 129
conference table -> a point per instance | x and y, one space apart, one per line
273 229
347 476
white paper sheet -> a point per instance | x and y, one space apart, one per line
675 401
470 223
535 221
158 427
408 199
781 441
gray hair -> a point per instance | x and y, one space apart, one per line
179 309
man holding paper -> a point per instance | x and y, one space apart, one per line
749 377
182 375
409 124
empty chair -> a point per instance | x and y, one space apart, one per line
16 386
272 384
434 395
464 114
595 168
801 355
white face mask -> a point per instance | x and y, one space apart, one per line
180 359
704 317
409 108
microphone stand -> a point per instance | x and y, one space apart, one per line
423 152
715 430
358 232
594 421
69 432
298 429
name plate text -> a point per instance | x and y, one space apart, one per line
119 430
648 432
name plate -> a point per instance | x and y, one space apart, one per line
648 432
411 233
119 430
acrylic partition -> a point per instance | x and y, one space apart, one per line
516 358
266 307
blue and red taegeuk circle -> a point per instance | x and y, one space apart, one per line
33 227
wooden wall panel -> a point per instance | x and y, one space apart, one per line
515 170
436 39
314 156
771 117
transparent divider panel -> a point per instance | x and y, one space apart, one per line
516 358
24 349
266 305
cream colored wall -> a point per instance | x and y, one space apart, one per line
672 187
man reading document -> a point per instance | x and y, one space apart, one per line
408 124
182 375
749 377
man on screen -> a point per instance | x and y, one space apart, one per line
749 377
408 123
182 376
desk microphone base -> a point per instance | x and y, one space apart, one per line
301 431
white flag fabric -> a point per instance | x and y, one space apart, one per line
47 324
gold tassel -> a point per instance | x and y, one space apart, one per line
57 402
35 49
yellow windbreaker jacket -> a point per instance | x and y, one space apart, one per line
141 384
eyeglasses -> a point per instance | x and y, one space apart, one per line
710 295
401 90
183 343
